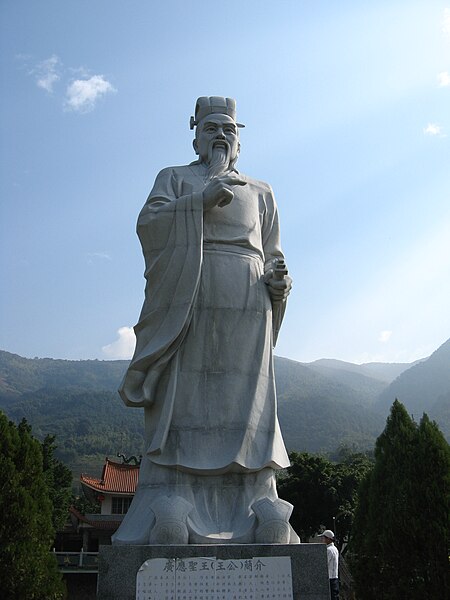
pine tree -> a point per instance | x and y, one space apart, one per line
432 529
393 548
28 571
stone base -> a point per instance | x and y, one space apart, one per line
118 565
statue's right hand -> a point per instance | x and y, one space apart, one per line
219 191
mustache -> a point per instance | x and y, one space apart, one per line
218 143
218 159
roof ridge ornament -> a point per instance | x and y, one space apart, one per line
136 460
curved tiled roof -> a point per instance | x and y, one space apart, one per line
116 477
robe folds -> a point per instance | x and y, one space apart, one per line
203 363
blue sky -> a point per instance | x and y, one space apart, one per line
347 113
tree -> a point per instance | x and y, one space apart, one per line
307 485
59 479
400 533
28 571
322 492
348 476
432 507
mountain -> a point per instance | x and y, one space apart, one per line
88 425
317 413
75 400
366 387
19 375
384 372
388 371
425 387
321 405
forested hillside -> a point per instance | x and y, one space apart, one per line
19 375
319 413
322 405
88 425
384 372
425 387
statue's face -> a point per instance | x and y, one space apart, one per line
216 131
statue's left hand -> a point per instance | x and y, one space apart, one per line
279 289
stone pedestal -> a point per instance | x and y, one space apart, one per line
118 565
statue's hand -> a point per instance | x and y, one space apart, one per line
279 289
219 191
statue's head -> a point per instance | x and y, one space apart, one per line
217 131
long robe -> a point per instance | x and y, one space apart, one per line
203 364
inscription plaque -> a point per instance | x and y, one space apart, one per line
203 578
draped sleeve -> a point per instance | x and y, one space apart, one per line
170 230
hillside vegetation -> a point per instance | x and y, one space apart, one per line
321 405
425 387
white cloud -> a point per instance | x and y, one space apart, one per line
96 256
432 129
444 79
47 73
23 57
446 21
80 72
83 90
82 94
123 347
384 336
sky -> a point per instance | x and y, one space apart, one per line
347 113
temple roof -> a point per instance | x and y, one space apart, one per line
116 477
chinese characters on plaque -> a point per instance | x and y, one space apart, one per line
259 578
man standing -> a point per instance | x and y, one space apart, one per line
203 364
333 563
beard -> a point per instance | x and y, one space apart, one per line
218 159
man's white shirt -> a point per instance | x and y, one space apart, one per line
333 561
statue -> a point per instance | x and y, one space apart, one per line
203 365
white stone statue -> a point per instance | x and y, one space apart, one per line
203 365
